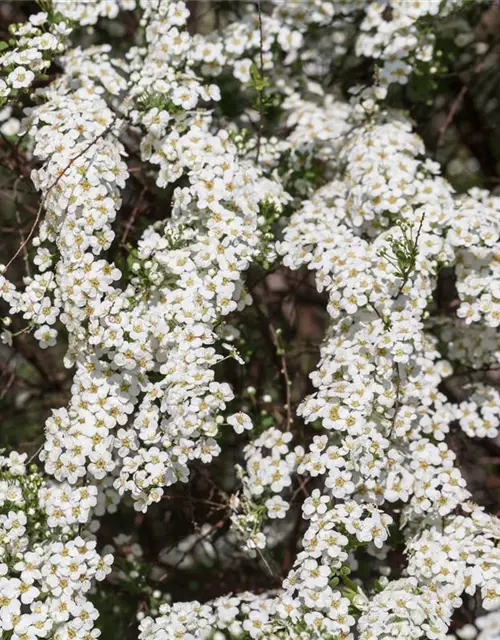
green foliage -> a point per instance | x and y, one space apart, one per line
404 251
258 81
152 99
45 5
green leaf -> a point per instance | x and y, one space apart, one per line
259 82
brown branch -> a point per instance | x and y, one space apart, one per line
8 384
451 114
133 215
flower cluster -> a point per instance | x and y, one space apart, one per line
37 42
316 36
377 382
88 13
269 465
395 34
308 601
192 266
460 556
80 181
46 565
376 239
475 234
282 29
186 275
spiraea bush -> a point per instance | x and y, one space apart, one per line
250 305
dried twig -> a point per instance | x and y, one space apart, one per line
133 215
451 114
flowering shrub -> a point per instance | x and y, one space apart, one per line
187 173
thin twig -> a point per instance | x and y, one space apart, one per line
286 376
35 454
213 528
451 114
302 487
8 384
377 312
133 216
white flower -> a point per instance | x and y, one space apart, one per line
46 336
277 507
20 78
240 422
